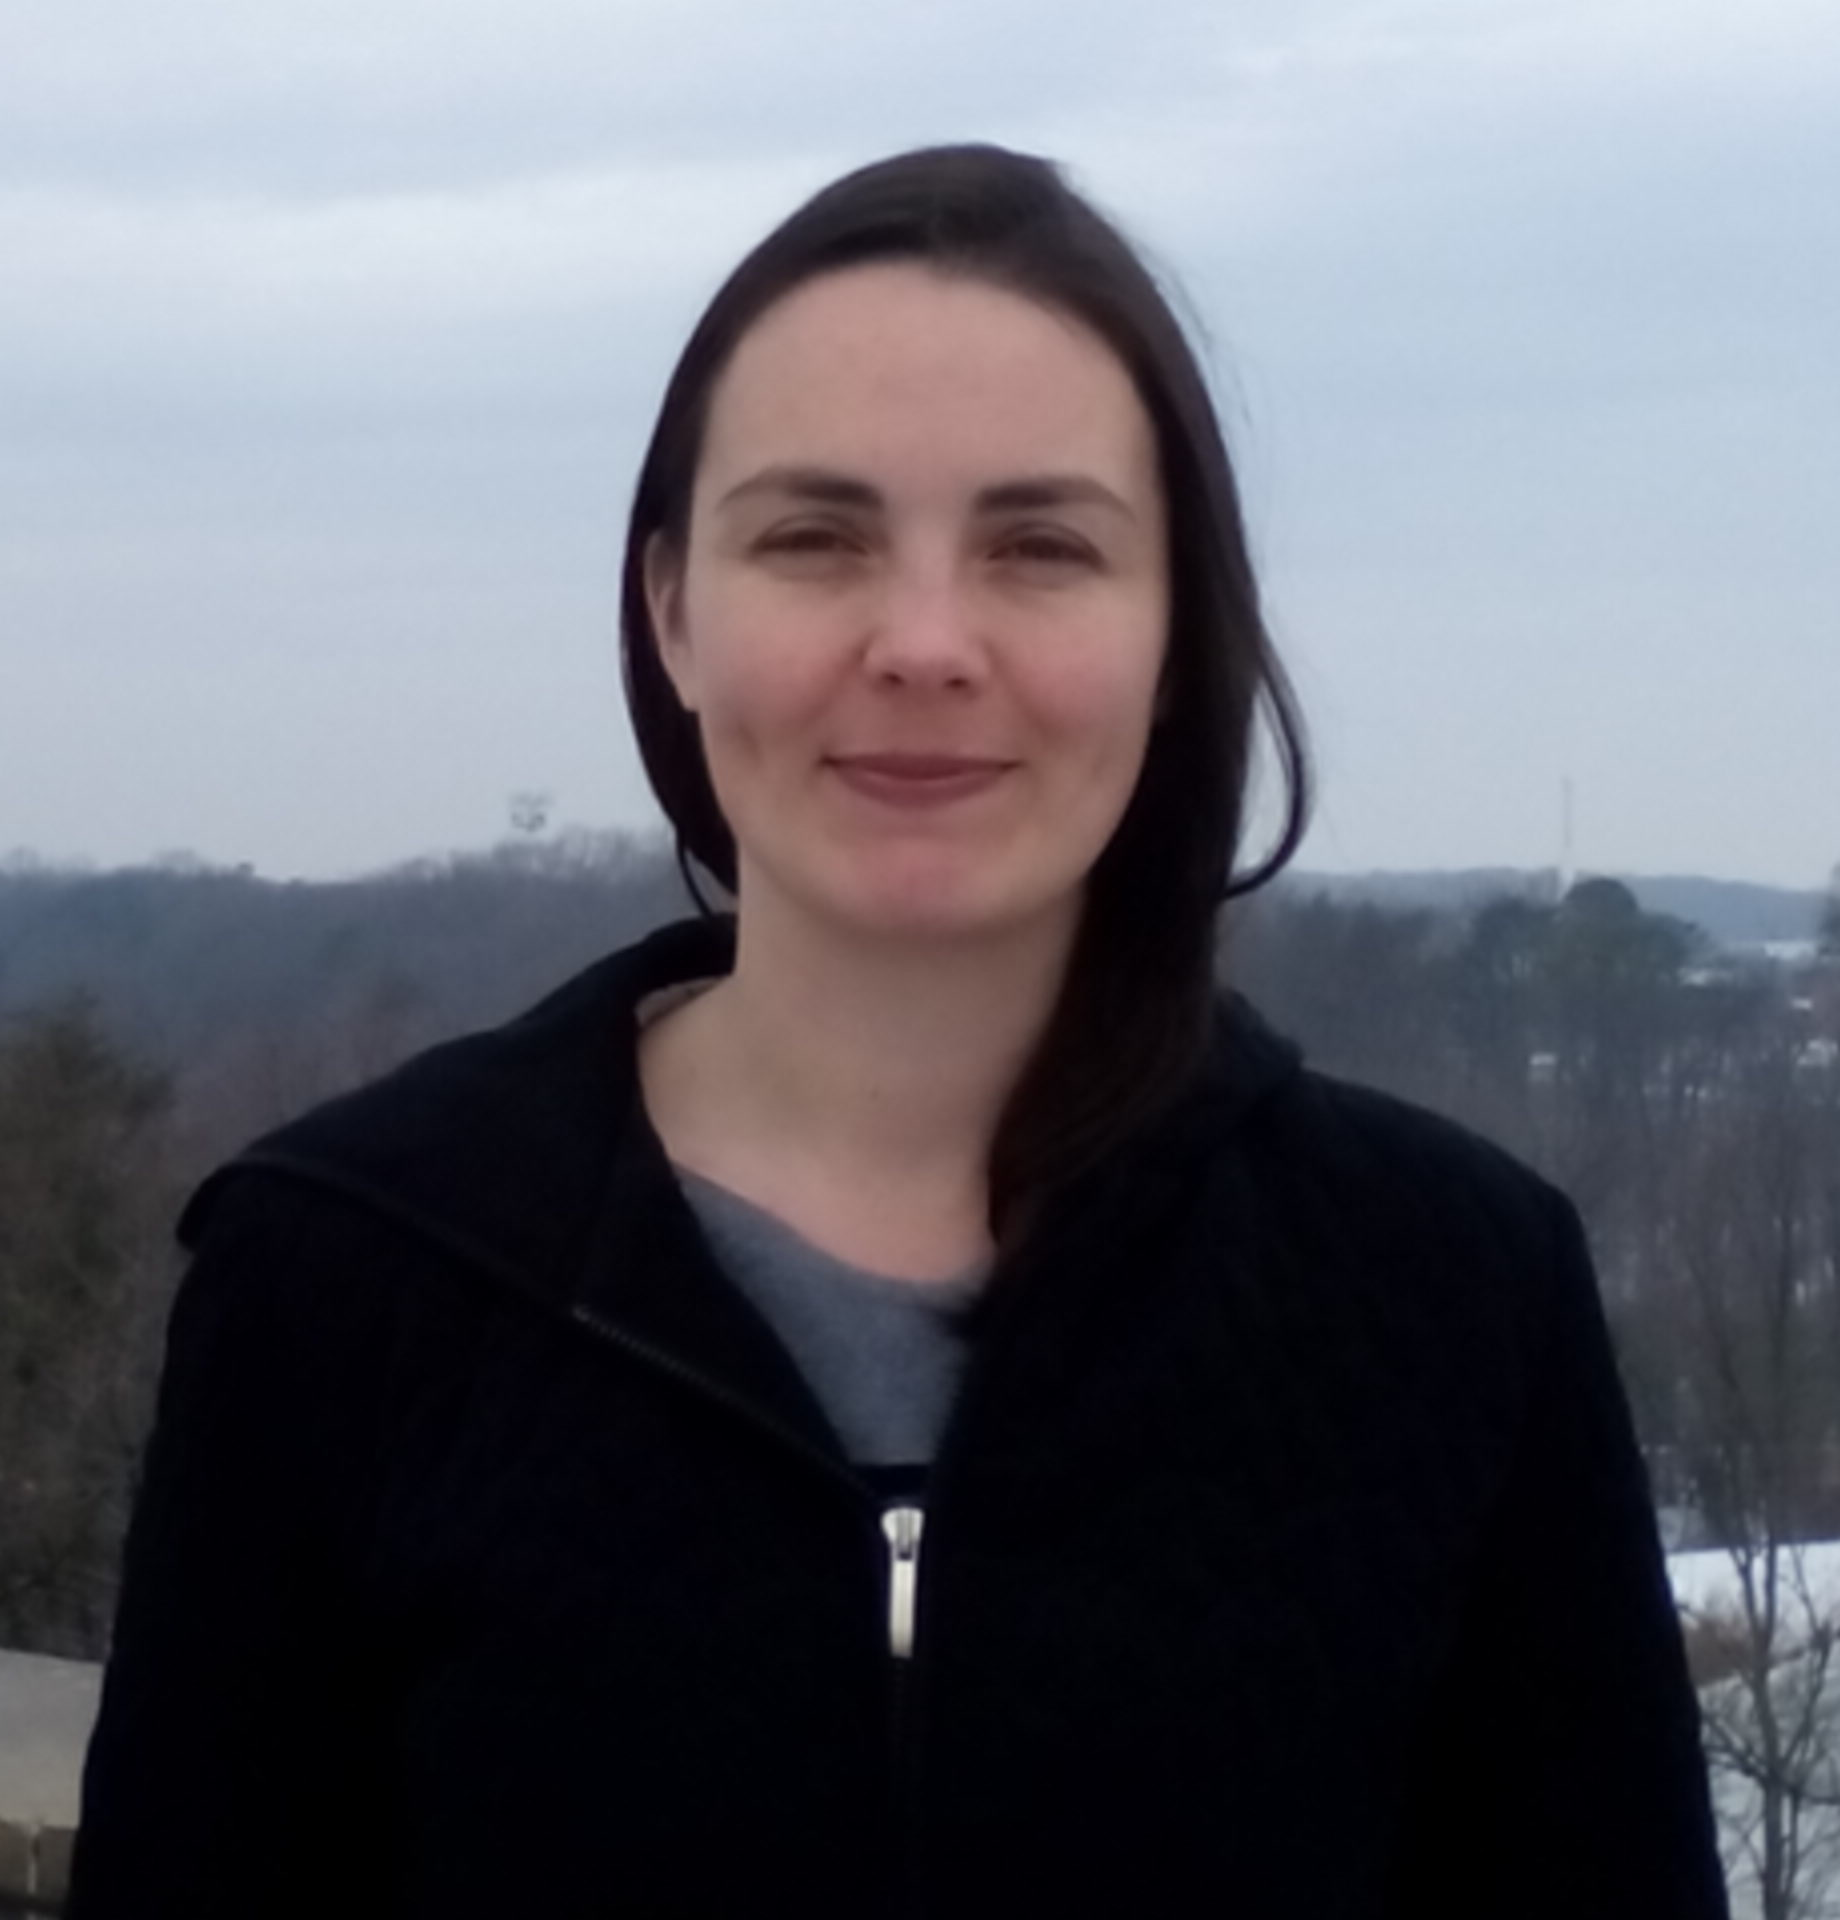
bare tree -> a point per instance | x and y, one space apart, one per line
1749 1233
1771 1736
82 1285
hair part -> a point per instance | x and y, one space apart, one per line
1131 1021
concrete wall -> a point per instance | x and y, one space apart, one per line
46 1710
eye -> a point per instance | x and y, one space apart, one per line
808 540
1047 550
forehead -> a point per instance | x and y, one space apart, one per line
900 367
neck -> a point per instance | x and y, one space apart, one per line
879 1066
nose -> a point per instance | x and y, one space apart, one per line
925 630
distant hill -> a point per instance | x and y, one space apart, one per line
182 961
195 965
1734 913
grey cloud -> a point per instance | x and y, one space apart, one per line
300 98
330 336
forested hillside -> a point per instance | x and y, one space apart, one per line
187 964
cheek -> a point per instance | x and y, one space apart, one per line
753 678
758 707
1102 708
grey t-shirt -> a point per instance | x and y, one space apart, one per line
883 1356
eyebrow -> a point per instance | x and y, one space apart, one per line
825 487
818 484
1052 490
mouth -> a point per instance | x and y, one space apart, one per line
918 779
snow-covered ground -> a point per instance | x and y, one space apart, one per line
1708 1581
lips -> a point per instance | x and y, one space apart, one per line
918 779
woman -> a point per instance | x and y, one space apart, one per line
899 1402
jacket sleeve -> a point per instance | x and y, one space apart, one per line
226 1774
1561 1771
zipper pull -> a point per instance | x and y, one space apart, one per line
901 1527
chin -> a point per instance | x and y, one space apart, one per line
956 906
914 891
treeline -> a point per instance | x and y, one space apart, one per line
150 1021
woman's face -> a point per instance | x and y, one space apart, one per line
922 609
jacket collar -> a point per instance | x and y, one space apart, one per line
525 1152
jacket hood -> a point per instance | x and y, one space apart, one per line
503 1146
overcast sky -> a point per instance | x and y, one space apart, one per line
330 333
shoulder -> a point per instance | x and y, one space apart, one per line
1402 1278
1351 1192
492 1150
1355 1139
1372 1143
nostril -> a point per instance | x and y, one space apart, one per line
905 673
931 646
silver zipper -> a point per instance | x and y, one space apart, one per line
901 1527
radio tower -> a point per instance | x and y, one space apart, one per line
1567 870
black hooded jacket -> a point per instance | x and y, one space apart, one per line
1288 1553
